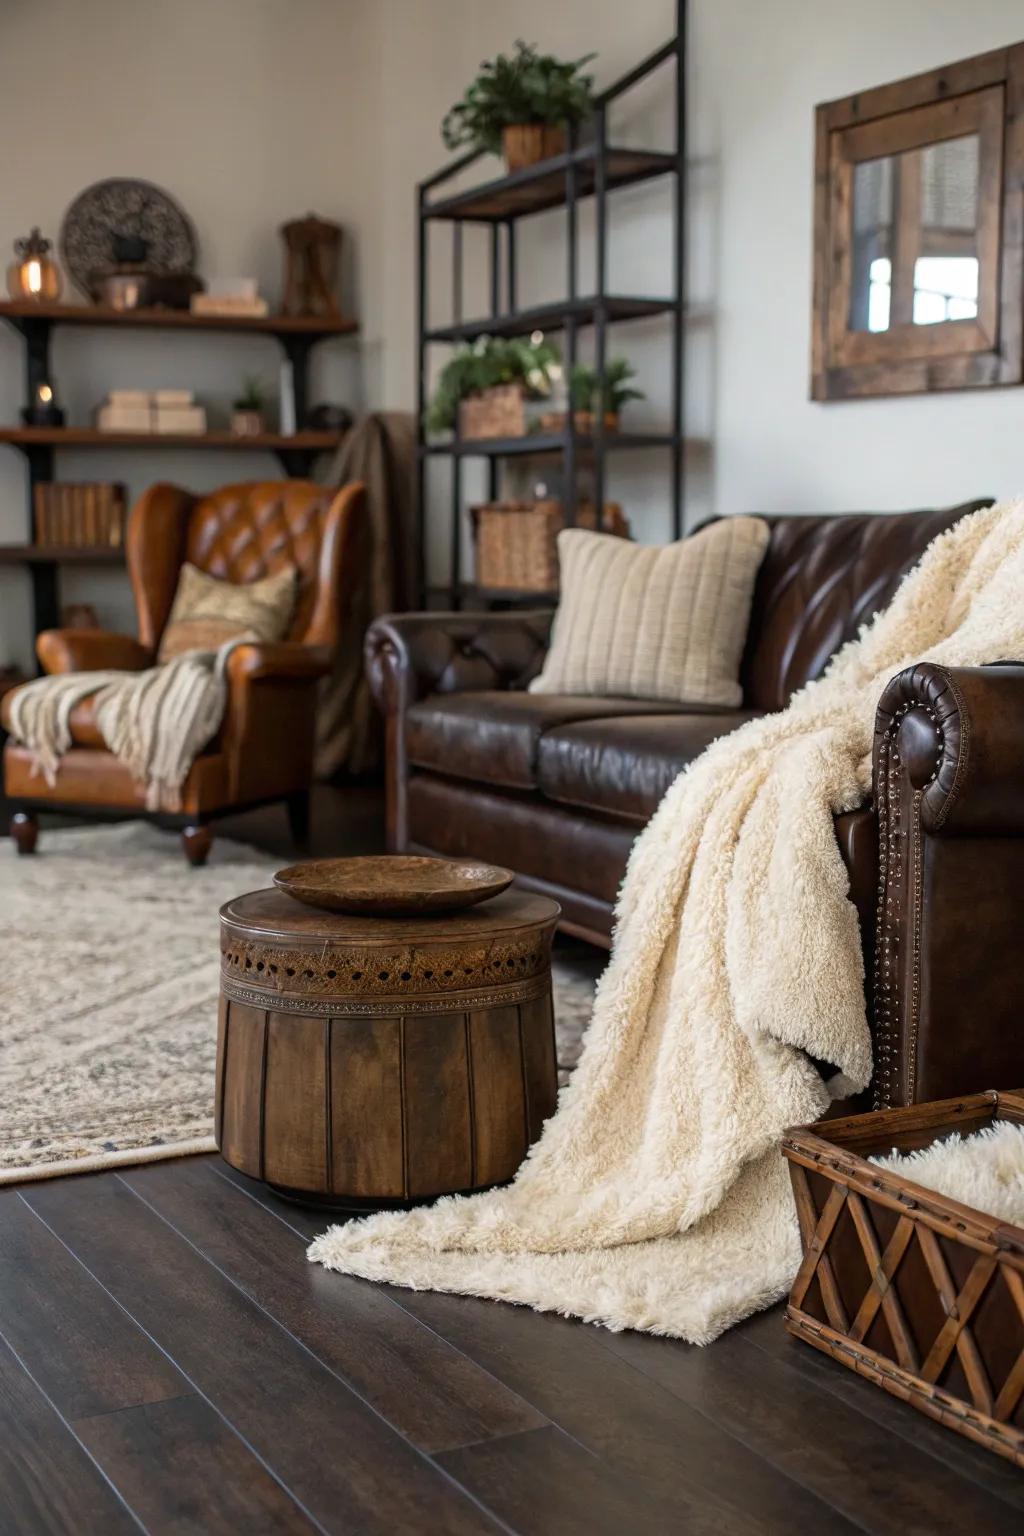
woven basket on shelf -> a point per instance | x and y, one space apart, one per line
583 422
497 412
516 541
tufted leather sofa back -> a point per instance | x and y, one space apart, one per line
243 532
821 579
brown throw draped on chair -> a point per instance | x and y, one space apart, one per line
381 452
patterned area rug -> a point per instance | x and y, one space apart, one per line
108 1008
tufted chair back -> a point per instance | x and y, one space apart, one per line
239 534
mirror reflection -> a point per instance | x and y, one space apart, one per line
915 229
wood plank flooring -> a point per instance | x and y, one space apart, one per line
170 1363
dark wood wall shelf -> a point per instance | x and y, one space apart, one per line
59 554
92 437
540 187
594 168
545 442
296 453
26 312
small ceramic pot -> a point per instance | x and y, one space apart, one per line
247 423
525 144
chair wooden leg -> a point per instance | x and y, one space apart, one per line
25 831
298 818
197 842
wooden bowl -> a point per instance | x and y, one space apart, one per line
393 885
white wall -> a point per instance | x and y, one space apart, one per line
758 71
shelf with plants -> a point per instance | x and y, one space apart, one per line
553 317
35 320
514 98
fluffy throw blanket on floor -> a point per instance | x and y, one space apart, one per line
656 1198
156 722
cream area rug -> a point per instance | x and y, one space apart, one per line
656 1197
108 1003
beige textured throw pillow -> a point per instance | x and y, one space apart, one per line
650 622
207 612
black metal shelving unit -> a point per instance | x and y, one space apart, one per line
593 168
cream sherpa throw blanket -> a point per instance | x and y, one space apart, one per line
984 1170
157 722
656 1198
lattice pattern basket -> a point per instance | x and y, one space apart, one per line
920 1294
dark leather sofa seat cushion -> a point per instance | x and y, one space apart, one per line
624 766
566 851
493 737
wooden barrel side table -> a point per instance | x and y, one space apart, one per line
383 1060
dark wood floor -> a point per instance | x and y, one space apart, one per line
169 1362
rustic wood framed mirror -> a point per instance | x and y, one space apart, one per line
919 233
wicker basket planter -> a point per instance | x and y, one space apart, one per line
497 412
526 144
584 422
516 541
916 1292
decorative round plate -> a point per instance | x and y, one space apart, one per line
125 207
393 885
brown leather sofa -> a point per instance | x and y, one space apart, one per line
558 787
264 749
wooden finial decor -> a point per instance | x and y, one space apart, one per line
312 249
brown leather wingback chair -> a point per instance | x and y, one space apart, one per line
264 748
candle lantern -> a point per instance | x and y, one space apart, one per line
43 410
35 274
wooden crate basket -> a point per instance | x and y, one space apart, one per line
497 412
916 1292
516 541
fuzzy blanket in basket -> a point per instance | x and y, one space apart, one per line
656 1197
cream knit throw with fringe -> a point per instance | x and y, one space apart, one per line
656 1197
156 722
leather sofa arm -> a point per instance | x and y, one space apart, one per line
411 655
957 733
282 658
90 650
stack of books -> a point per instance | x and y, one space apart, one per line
151 410
238 296
70 516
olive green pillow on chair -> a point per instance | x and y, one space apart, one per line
655 622
206 612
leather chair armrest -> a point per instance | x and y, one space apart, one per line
281 658
91 650
411 655
959 736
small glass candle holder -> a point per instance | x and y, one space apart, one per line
43 410
34 275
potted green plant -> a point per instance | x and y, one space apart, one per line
589 394
248 409
483 387
521 104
